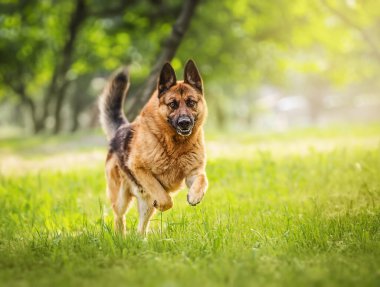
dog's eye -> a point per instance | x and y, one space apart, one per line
191 103
173 105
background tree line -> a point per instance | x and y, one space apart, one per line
56 54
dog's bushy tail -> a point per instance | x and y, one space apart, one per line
111 103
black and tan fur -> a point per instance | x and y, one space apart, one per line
151 158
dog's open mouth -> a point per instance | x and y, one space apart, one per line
184 132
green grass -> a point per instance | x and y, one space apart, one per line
270 218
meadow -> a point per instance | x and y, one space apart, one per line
300 208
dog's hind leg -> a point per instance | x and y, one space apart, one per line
120 204
118 191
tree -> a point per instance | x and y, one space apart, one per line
51 65
167 53
53 60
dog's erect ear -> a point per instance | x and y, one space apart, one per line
167 79
192 76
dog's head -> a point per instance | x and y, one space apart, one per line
181 104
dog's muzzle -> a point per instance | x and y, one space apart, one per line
184 125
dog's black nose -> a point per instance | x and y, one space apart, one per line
184 123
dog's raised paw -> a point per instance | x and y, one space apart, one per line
194 198
163 205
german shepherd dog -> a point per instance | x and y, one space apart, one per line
152 157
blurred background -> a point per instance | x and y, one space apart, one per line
292 141
267 65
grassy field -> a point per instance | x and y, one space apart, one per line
294 209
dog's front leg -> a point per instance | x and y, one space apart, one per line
154 192
153 196
197 185
146 211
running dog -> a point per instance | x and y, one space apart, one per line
163 148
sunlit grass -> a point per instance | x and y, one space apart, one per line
269 218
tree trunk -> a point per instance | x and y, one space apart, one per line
19 90
78 100
77 19
169 50
75 121
32 108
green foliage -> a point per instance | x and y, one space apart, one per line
273 216
301 47
35 64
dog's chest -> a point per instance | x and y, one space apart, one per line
172 169
176 163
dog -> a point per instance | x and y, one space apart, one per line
161 150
